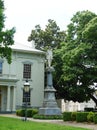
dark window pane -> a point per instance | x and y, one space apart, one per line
27 71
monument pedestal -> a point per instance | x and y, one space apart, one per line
50 106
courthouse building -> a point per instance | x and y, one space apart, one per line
27 64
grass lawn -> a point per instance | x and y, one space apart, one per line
17 124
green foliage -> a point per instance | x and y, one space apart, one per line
51 36
95 118
2 17
6 36
75 60
20 112
77 25
90 31
30 112
73 116
90 117
34 112
67 116
49 117
81 116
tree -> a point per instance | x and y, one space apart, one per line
51 36
78 56
75 55
6 36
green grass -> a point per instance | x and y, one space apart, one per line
17 124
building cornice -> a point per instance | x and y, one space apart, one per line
26 49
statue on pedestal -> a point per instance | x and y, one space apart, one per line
50 106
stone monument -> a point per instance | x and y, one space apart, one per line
50 106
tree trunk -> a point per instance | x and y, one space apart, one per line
93 98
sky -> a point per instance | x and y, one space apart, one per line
24 15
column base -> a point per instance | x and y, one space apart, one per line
49 111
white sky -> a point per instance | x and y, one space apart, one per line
25 14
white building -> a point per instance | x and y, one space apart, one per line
27 64
76 106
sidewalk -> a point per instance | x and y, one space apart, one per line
90 126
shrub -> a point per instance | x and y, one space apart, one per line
67 116
73 116
20 112
95 118
90 116
81 116
34 111
30 112
49 117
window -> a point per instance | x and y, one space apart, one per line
27 71
0 67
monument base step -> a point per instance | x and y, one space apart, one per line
49 111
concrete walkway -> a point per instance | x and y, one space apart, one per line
90 126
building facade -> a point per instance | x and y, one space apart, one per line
27 64
71 106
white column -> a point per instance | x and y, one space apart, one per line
14 99
8 98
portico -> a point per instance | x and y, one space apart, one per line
7 95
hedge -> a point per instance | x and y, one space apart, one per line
30 112
67 116
20 112
90 116
49 117
73 116
95 118
80 116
